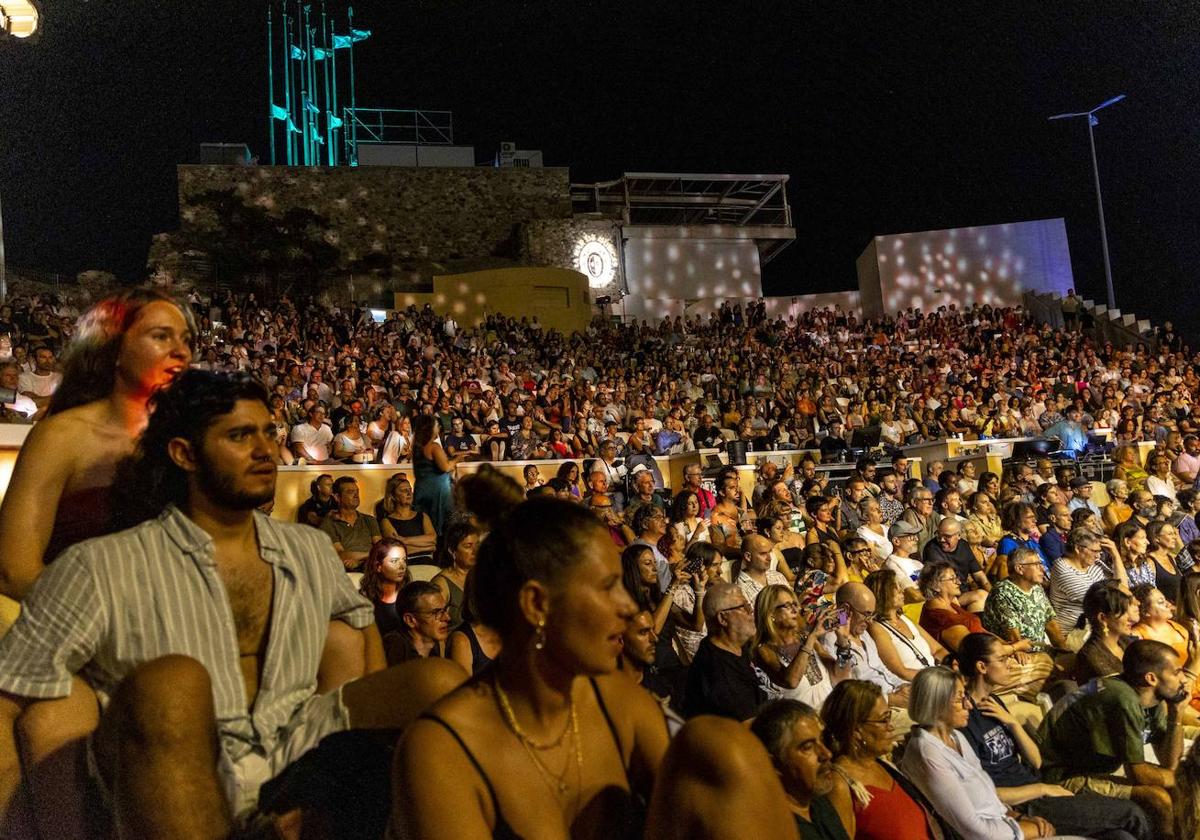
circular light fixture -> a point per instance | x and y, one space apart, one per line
19 18
596 259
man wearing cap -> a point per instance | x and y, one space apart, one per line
1081 496
903 536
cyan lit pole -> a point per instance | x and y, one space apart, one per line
1092 121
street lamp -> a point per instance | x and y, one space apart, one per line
1092 121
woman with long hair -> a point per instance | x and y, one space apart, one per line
787 650
703 562
904 647
385 573
569 472
401 521
1111 614
939 759
859 733
1133 546
686 519
473 645
1128 468
459 543
1019 521
431 472
126 348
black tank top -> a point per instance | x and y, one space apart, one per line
632 820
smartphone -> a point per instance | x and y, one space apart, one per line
840 619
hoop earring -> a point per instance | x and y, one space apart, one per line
539 636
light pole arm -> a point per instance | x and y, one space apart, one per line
1108 281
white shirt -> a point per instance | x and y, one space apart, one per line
315 441
750 587
1158 487
867 663
38 384
879 543
956 785
906 568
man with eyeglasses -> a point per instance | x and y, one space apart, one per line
721 680
426 616
920 513
856 606
950 547
1017 608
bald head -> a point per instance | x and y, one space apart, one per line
856 595
720 597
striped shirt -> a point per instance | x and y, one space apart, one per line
109 604
1068 585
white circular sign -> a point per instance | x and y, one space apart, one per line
596 259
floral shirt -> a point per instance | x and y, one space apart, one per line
1008 608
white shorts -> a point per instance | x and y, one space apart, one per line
240 780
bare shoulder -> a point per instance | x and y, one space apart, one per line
628 704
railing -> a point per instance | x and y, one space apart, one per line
392 125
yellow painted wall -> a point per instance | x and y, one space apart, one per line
557 296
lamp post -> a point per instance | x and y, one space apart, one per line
1092 121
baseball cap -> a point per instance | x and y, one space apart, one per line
1079 481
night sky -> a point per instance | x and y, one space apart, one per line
888 117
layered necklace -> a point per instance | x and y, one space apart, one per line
557 782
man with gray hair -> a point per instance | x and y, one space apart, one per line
21 409
721 680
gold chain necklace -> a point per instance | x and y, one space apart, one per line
557 782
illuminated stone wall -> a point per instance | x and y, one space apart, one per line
384 220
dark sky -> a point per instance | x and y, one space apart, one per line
888 117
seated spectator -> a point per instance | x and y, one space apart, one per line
1187 794
311 439
649 526
823 572
1111 613
787 548
787 650
533 478
721 680
873 530
1133 546
351 445
1017 608
352 531
1116 511
703 563
319 504
639 647
473 645
941 763
904 647
425 624
943 616
1011 758
791 732
949 548
857 648
859 732
921 514
457 557
1081 496
22 409
889 497
384 574
401 521
907 567
1157 623
1164 547
39 383
1053 542
1096 731
1077 571
1160 482
860 558
1020 530
644 493
823 510
983 513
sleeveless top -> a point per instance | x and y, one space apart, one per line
455 602
414 527
635 810
479 659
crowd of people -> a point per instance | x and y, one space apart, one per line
955 654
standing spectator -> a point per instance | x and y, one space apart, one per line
431 469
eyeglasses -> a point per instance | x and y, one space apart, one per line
948 536
441 612
948 579
790 606
744 606
885 720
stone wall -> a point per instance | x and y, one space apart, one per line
386 221
553 242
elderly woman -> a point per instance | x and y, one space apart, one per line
859 732
941 763
1077 571
943 617
788 651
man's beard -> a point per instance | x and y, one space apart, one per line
222 490
1178 697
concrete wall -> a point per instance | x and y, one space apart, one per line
557 296
777 307
994 264
870 297
685 269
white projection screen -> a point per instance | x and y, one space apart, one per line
993 264
685 269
